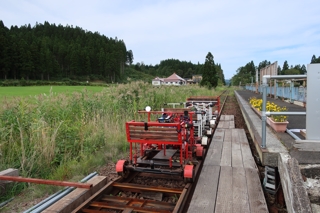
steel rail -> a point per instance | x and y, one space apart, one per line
224 101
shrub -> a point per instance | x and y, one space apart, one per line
23 82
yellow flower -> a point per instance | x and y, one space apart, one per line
270 106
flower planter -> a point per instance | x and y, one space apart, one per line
256 111
277 126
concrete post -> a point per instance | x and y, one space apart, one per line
257 80
275 89
291 92
263 112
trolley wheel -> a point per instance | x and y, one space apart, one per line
188 174
200 152
120 168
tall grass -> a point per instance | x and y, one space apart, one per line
61 135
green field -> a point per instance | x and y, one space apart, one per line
9 92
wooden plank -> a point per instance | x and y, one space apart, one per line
231 125
307 145
234 135
213 156
226 124
226 154
221 124
103 189
303 132
228 135
256 197
295 194
5 184
229 118
8 172
218 136
127 210
242 136
72 200
236 155
240 200
224 195
205 193
236 150
247 158
222 117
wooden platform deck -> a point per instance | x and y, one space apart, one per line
229 180
226 122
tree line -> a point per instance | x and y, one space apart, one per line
54 52
186 70
246 74
46 52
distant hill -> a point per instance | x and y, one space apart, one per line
228 82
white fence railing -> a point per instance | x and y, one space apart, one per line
291 93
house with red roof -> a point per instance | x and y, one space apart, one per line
173 79
157 81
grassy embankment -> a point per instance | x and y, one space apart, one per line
63 135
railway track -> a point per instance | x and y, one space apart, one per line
147 192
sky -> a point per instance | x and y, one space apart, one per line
234 31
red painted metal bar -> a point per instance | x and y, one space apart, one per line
186 150
181 155
152 123
130 152
48 182
168 111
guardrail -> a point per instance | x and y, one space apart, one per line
291 93
264 102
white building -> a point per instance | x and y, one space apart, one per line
157 81
173 79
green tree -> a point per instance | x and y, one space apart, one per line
263 64
292 72
314 59
279 70
4 50
303 69
209 75
129 57
285 67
